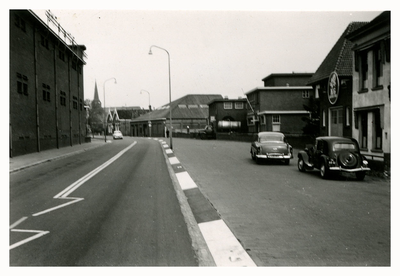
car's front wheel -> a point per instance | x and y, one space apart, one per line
324 170
301 165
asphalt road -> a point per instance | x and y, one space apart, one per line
123 213
283 217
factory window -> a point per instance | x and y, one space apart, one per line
63 98
20 23
227 105
239 105
306 94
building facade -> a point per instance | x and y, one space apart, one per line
279 105
371 88
333 85
228 115
46 86
189 114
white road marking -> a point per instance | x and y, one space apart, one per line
67 191
168 151
173 160
165 146
223 245
185 181
75 200
38 235
17 222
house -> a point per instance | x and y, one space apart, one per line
371 88
119 118
278 106
228 115
188 113
333 85
46 85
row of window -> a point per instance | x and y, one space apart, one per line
229 105
22 88
183 106
276 119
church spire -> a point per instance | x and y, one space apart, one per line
96 100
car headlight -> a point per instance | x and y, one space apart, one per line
365 163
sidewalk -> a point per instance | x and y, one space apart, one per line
28 160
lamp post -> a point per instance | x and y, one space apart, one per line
105 117
170 108
149 110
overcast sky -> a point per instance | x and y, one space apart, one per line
219 51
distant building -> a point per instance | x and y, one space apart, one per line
46 85
371 88
279 105
120 118
189 113
226 115
333 85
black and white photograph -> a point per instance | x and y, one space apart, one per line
189 137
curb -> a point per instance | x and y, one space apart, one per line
212 239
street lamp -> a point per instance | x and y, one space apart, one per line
149 110
170 108
105 117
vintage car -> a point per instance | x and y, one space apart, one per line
271 145
117 135
333 155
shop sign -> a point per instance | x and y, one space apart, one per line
333 88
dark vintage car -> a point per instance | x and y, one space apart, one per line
271 146
332 155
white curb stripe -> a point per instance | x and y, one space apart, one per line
185 181
173 160
168 151
223 245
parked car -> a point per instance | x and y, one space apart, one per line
271 145
117 135
332 155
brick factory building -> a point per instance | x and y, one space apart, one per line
46 85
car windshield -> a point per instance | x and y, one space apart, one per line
344 146
271 138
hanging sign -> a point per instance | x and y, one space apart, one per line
333 88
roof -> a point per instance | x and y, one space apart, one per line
381 20
293 74
335 139
340 58
191 106
227 100
276 88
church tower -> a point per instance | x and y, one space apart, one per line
96 103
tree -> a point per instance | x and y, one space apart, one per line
96 116
312 121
